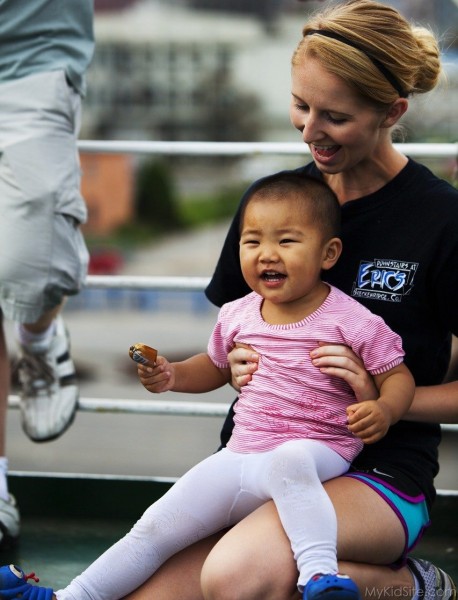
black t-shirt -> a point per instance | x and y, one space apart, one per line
400 259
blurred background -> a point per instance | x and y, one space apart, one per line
186 70
211 70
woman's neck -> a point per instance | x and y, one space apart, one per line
367 177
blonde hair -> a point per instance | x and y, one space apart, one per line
409 53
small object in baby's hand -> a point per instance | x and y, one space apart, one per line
143 354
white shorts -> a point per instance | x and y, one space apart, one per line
43 256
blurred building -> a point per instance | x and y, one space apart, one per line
206 69
167 72
216 70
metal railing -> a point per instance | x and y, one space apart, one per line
161 283
446 150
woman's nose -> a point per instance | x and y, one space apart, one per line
309 129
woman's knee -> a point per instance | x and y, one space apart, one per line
220 583
253 560
216 582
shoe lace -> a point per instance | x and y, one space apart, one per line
31 576
34 372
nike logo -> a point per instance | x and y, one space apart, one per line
377 472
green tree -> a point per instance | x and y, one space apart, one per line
156 203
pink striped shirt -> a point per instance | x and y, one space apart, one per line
288 398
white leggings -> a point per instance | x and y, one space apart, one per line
217 493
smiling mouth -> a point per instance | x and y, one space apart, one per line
325 151
272 276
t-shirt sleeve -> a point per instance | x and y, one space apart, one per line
379 347
221 339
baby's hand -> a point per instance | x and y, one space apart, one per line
157 379
368 420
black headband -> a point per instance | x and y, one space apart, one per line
380 66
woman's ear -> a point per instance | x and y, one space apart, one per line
332 251
395 112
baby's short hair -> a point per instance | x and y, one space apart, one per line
321 203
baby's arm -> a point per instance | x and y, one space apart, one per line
196 374
369 420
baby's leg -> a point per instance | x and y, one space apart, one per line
199 504
294 477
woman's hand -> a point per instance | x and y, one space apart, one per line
339 360
157 379
243 362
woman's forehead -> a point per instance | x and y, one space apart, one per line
319 88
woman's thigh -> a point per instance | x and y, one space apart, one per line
255 555
368 529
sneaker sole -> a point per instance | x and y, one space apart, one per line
54 436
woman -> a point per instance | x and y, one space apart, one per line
352 74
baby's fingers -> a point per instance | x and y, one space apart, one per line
155 379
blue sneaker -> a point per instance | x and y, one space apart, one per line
13 584
331 587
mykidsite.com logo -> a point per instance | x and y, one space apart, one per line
384 279
405 591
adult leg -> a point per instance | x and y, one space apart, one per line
44 322
43 257
254 559
179 577
4 386
48 385
9 514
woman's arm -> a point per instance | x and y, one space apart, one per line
435 404
438 403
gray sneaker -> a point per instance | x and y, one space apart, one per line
435 584
9 521
48 394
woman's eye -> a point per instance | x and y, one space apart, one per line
337 120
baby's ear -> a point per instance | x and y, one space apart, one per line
332 251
